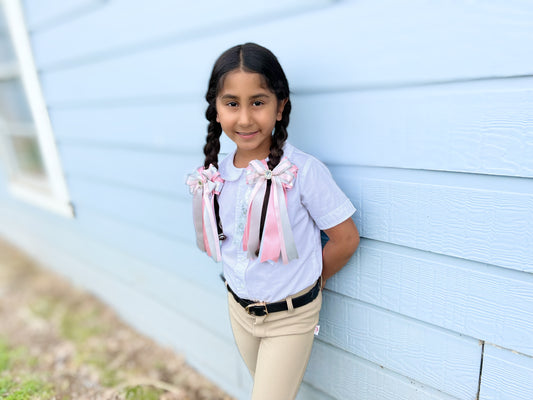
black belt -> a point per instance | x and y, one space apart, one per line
262 308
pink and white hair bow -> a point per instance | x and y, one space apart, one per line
277 239
203 185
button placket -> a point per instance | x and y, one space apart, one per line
241 211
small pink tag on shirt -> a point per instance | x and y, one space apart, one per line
317 329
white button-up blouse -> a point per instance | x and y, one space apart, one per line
315 202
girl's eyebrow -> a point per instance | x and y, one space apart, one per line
228 97
233 97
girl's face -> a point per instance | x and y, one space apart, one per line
248 110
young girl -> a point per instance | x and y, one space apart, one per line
260 211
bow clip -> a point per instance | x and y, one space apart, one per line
277 239
204 184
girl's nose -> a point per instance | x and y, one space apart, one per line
245 118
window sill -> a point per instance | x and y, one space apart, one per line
41 199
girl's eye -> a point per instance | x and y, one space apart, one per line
257 103
232 104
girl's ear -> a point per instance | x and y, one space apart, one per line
218 120
281 106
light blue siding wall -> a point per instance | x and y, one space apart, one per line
421 109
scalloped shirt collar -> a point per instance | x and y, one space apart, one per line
229 172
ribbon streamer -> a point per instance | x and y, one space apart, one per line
277 239
203 185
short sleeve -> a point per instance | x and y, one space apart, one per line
321 196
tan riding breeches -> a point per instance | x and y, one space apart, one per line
276 347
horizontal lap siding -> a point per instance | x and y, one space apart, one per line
477 127
487 131
131 25
434 152
432 356
163 215
506 375
474 299
425 49
164 125
144 169
308 392
426 210
344 376
175 256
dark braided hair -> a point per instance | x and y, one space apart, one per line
248 57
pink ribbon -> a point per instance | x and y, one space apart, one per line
203 185
277 239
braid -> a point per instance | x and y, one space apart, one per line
211 149
212 141
279 138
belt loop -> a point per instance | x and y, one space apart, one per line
290 307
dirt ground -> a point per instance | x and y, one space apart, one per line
59 342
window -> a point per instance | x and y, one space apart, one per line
27 145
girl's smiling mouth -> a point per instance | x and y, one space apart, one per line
247 134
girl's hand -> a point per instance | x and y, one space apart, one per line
342 243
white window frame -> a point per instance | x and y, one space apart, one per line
55 197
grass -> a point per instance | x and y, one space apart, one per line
76 321
142 393
80 325
11 356
26 387
17 383
44 307
5 358
109 377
